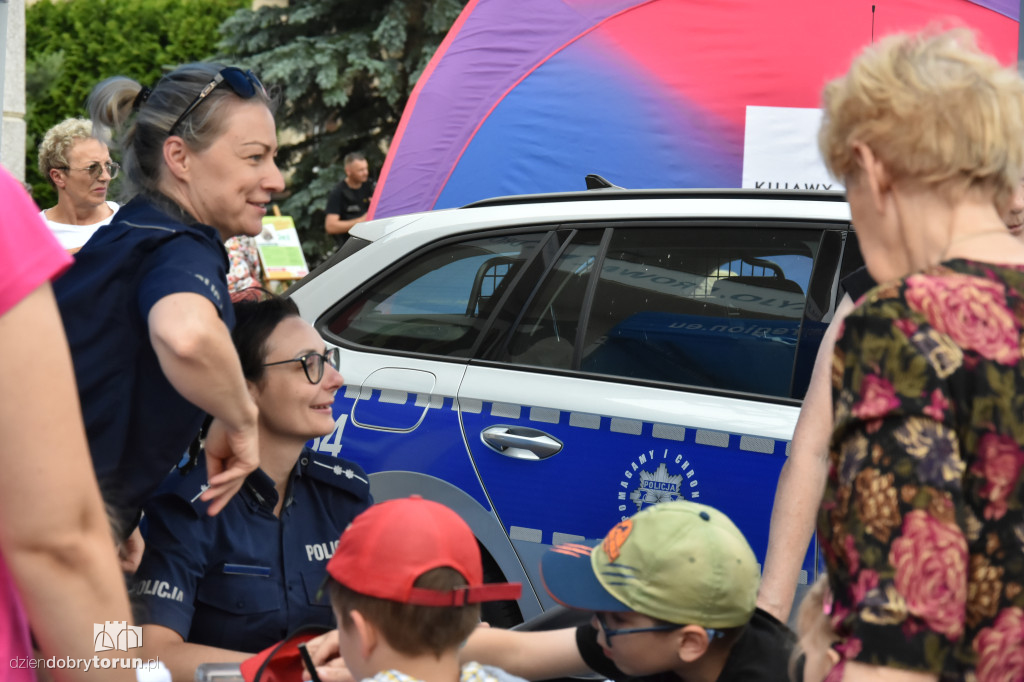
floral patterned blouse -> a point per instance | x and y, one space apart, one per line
922 523
244 271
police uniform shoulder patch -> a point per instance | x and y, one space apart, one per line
336 472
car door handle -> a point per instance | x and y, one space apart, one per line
520 442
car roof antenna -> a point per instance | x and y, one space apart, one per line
595 181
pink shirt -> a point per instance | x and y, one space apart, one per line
29 256
29 253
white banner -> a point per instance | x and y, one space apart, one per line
780 150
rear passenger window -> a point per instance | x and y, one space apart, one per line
719 306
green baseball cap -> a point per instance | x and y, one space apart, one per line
680 562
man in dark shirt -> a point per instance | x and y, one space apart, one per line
350 199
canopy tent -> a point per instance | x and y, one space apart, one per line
531 95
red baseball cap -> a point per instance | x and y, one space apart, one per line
390 545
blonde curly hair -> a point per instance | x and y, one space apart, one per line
936 110
57 143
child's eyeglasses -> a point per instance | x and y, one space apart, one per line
609 632
245 84
313 363
96 169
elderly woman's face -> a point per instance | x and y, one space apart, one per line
232 181
79 185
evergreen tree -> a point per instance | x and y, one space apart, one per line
344 69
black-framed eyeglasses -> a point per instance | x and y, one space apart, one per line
245 84
96 169
667 627
313 363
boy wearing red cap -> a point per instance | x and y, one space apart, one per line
406 584
673 590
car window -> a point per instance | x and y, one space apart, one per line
437 303
716 306
546 334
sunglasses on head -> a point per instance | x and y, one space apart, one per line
96 169
245 84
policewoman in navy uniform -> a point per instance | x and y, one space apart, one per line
145 305
219 588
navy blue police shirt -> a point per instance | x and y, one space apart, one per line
137 424
244 579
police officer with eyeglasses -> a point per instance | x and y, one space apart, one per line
224 587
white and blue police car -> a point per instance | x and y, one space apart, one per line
547 365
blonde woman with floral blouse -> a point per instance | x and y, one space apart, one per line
922 523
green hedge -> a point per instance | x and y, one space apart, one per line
72 46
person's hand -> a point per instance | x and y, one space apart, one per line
129 551
329 665
323 648
333 670
231 455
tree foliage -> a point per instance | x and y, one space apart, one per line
71 46
344 70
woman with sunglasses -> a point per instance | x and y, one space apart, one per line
221 588
79 167
146 305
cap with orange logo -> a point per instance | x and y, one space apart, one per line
680 562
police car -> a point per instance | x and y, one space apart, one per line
547 365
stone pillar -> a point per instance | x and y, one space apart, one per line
12 86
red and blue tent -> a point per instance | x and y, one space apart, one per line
531 95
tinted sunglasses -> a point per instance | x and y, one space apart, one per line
96 169
245 84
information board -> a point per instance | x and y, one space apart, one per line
280 249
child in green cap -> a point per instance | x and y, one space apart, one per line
673 592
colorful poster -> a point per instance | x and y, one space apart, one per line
280 249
